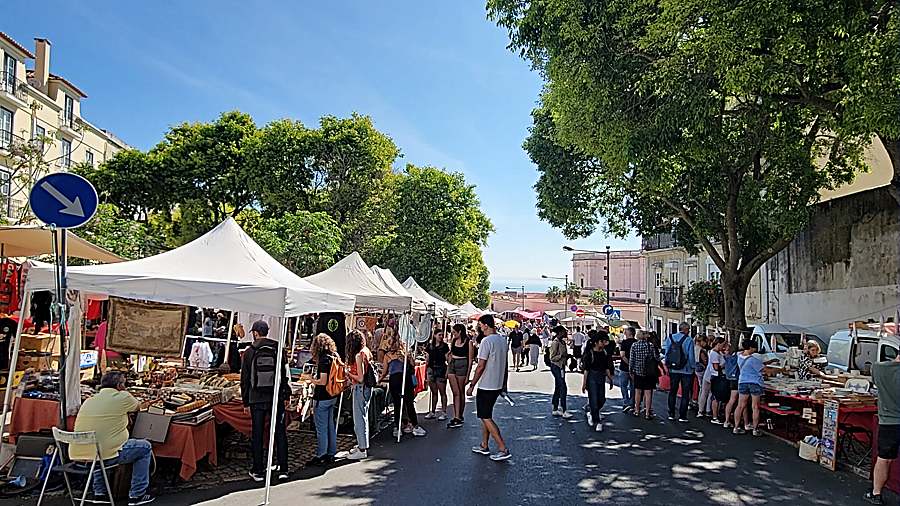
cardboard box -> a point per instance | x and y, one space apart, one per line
43 343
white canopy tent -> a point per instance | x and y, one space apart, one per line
351 275
468 310
387 277
429 300
224 268
452 309
32 240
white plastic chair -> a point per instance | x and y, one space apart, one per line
77 466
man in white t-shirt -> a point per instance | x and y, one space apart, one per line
578 340
491 372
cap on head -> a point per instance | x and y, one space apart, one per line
260 327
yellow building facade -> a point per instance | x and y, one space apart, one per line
43 110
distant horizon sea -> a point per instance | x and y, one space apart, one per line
531 285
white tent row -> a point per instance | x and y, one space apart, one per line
468 310
440 306
352 276
224 268
387 277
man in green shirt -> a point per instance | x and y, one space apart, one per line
106 414
887 378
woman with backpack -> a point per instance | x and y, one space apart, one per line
324 355
362 378
598 367
392 368
437 375
643 365
557 356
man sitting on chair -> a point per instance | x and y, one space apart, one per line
106 414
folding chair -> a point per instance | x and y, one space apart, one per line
77 467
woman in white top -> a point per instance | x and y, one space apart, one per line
715 363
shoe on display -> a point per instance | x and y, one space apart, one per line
566 414
481 450
499 456
419 432
138 501
358 454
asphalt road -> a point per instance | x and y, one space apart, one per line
561 461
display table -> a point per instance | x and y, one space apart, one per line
232 413
189 444
34 415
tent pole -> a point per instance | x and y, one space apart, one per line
402 392
7 397
296 334
275 400
229 331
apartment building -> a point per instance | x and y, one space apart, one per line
43 109
627 271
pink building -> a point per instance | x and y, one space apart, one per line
628 279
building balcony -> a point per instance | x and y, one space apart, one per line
671 297
13 90
658 241
8 140
69 124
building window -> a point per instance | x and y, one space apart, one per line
9 74
6 127
673 278
582 282
712 273
658 279
66 152
39 134
89 157
69 112
5 183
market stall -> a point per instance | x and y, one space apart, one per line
224 268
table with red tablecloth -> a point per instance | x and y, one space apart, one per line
189 444
233 414
34 415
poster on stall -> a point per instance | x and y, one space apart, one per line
366 323
829 435
146 328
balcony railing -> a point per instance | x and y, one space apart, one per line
8 139
671 297
9 84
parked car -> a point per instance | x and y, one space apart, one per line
777 338
846 353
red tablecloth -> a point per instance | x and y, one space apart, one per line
665 383
34 415
233 414
420 378
189 443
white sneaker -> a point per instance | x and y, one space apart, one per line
442 416
419 432
557 413
566 414
590 419
357 454
395 432
430 415
599 427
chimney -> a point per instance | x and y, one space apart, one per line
42 64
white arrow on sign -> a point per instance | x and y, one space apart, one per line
70 207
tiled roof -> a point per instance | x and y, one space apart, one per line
9 40
67 83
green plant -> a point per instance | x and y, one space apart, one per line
706 299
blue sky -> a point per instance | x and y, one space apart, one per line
435 76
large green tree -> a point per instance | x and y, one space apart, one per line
657 117
440 232
304 242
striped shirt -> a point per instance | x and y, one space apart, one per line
637 359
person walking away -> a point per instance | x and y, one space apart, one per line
437 352
681 363
106 414
701 351
490 376
534 349
714 367
598 367
732 374
258 368
516 341
643 364
887 378
750 388
623 374
462 355
559 355
578 341
392 369
362 380
324 355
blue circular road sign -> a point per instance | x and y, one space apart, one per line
607 309
63 199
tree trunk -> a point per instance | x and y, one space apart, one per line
893 149
734 290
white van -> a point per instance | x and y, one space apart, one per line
846 354
777 338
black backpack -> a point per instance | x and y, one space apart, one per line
369 379
265 361
675 356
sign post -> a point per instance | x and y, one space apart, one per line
62 201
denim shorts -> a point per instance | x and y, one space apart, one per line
750 389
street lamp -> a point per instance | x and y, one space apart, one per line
571 249
565 287
517 288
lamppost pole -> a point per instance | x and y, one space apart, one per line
608 273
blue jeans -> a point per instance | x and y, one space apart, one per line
136 452
627 386
560 390
686 380
326 432
596 393
361 397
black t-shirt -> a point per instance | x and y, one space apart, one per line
516 338
533 339
437 356
597 361
320 393
611 351
625 345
